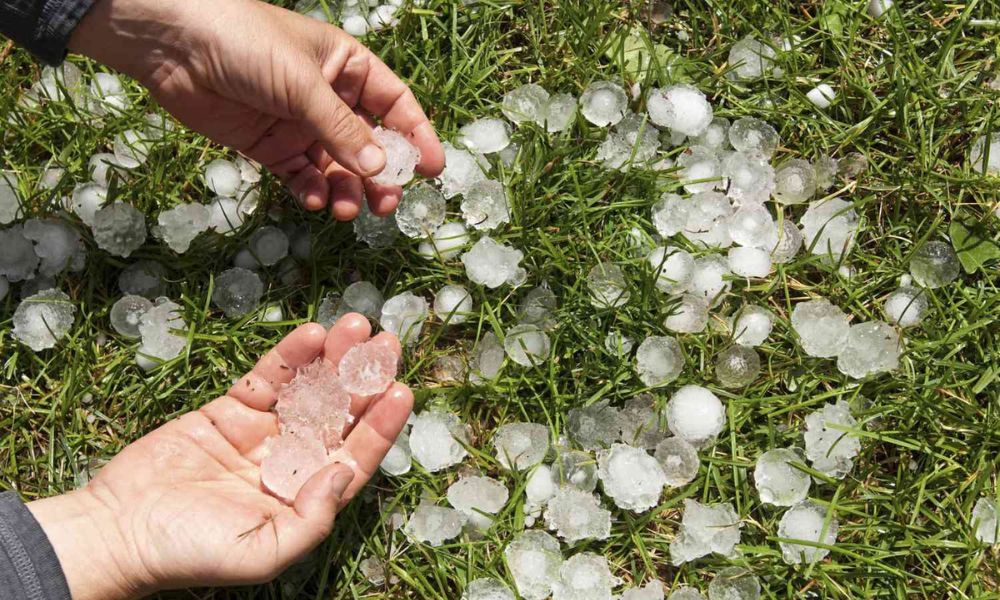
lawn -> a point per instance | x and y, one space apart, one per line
913 94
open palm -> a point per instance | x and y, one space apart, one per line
189 494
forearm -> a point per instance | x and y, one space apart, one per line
96 559
133 36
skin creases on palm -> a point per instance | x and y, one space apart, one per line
190 495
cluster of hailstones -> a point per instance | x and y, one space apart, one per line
727 173
356 17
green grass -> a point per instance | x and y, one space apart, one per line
913 97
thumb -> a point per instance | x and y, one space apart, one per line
319 498
342 133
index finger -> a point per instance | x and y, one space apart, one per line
385 96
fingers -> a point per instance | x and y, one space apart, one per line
283 141
315 508
431 151
346 192
350 330
288 168
382 199
243 427
319 498
346 138
311 187
374 435
258 389
384 95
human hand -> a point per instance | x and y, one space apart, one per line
290 92
184 506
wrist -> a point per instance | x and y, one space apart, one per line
135 37
95 554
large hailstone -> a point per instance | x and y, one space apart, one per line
934 265
906 306
119 229
829 227
750 59
493 264
446 242
487 588
521 445
631 477
57 245
576 515
178 226
18 260
462 170
453 304
752 326
640 422
696 415
477 497
436 440
608 288
401 157
830 445
223 177
734 583
823 328
984 515
10 203
659 360
527 345
705 529
808 522
682 108
527 103
679 461
689 315
670 214
737 366
43 319
534 558
485 205
585 576
404 316
485 136
376 231
872 347
985 157
778 481
237 292
603 103
594 426
794 181
710 279
421 211
434 525
673 267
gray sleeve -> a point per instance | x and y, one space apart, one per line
29 568
42 26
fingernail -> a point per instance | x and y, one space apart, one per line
341 480
371 158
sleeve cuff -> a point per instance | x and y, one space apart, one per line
29 567
43 27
